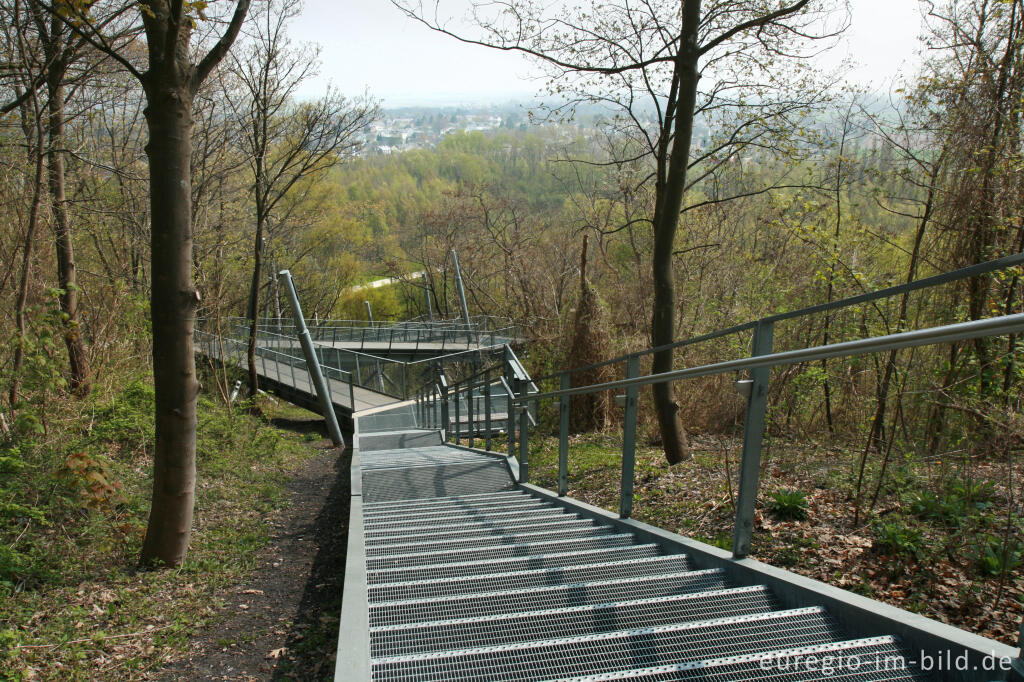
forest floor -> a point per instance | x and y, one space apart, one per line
937 543
258 595
282 622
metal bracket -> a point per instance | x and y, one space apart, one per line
744 387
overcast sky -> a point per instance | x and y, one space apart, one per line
368 44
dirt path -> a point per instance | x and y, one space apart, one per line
283 624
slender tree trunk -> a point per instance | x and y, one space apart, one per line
20 321
982 236
830 288
67 279
174 301
877 432
669 203
254 297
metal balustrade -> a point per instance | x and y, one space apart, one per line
422 336
523 396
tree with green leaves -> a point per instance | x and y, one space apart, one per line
288 144
170 77
663 67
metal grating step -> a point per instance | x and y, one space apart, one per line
470 532
510 564
489 475
414 457
522 580
488 552
575 621
385 548
516 517
478 511
446 501
608 652
544 598
876 659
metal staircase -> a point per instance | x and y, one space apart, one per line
458 569
470 576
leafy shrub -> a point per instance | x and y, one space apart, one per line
958 500
789 504
896 538
993 559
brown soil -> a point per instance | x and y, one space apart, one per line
283 623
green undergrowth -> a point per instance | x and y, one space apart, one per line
73 508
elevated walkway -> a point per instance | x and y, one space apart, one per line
459 569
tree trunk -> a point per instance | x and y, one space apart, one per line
173 301
254 298
21 301
67 280
668 205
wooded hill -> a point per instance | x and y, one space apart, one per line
800 193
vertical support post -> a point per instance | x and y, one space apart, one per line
487 411
444 409
317 377
462 291
369 313
470 411
512 409
524 440
458 416
563 437
426 294
629 438
753 434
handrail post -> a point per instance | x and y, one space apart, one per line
487 410
458 417
753 434
563 438
470 411
524 440
511 424
312 365
445 425
629 438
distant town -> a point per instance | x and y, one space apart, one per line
404 129
423 127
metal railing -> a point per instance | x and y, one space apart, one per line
287 368
471 406
765 323
409 335
759 365
398 379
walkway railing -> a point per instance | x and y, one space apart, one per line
395 378
283 366
755 388
482 331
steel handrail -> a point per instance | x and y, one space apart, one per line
987 267
996 326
